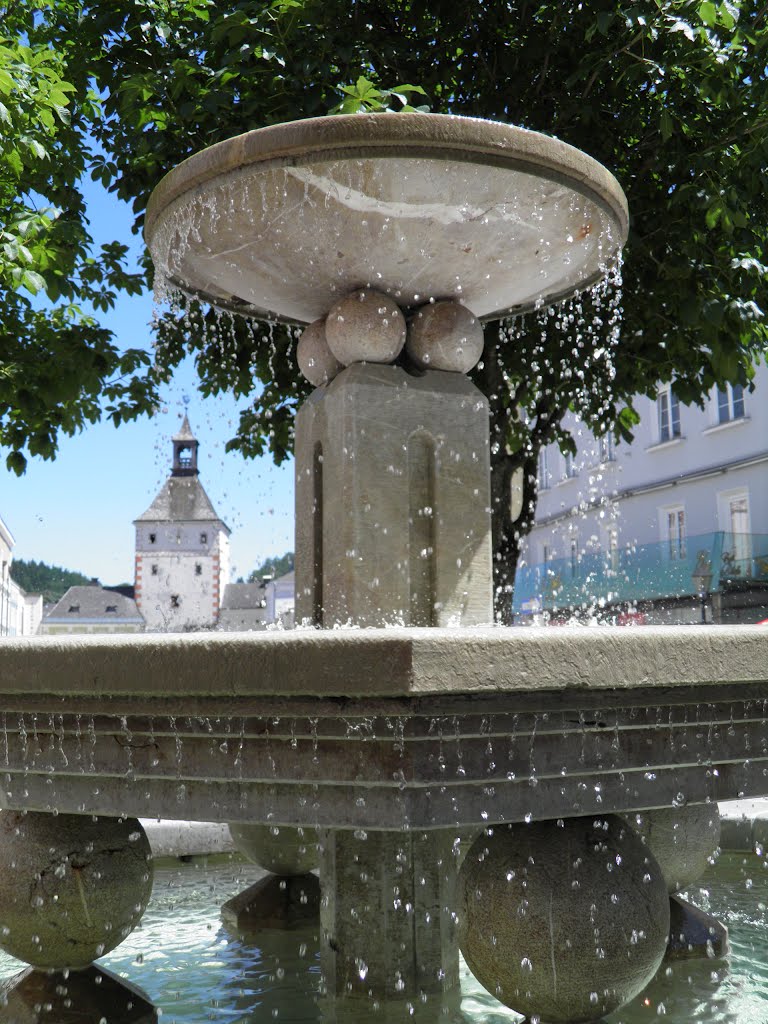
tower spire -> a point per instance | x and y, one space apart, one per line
185 447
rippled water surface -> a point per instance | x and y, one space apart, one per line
193 969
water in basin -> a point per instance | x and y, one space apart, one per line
194 969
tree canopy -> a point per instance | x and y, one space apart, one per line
59 368
49 580
276 566
669 94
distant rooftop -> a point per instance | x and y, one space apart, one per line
94 602
242 596
181 499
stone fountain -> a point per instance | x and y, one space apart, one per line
402 749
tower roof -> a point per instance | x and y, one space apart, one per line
181 499
184 432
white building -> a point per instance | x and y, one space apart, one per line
280 599
20 613
243 608
654 530
93 609
182 549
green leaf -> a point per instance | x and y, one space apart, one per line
714 213
665 124
32 281
708 13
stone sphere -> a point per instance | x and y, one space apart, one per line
365 327
283 850
682 839
563 920
445 336
71 888
316 361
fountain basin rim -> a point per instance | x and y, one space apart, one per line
358 136
393 662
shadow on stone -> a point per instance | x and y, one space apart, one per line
692 933
89 996
274 902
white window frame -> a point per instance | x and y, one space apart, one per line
575 556
728 407
673 529
612 547
606 448
742 539
543 474
667 415
569 466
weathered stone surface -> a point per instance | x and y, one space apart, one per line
392 498
381 662
430 727
682 839
187 838
693 933
387 914
93 995
274 902
71 888
316 361
365 327
444 336
565 920
283 851
420 205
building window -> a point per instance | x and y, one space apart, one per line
734 518
569 470
547 554
175 603
543 470
613 549
154 569
152 538
605 448
668 413
203 538
185 457
74 607
574 557
730 403
673 524
198 569
112 608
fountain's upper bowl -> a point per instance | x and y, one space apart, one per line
282 221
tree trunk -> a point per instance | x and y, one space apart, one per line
507 534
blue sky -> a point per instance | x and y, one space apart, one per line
78 510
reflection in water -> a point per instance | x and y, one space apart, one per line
194 970
89 996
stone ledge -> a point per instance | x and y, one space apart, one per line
394 662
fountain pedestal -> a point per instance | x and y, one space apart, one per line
392 526
392 500
406 883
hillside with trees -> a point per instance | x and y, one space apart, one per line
276 566
49 580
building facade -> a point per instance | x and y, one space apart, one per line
670 528
20 613
182 549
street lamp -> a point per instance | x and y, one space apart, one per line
702 580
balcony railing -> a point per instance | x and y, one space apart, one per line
643 572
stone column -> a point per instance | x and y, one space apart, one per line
392 500
388 918
392 526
